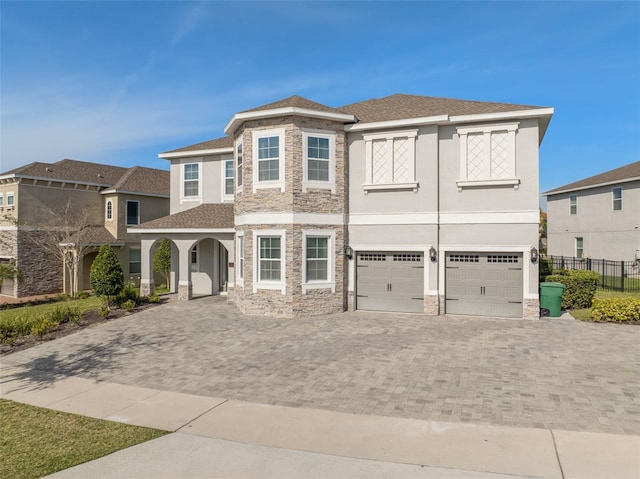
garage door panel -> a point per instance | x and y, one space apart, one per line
484 284
390 281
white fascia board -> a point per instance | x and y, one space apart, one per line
8 228
135 193
173 231
291 110
581 188
534 113
8 177
289 218
490 217
188 154
425 120
58 180
393 219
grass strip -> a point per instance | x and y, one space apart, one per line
35 442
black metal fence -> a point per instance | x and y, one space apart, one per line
614 275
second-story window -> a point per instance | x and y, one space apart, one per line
228 177
191 180
318 167
109 210
10 199
318 158
268 159
133 212
239 164
573 204
390 160
1 200
616 194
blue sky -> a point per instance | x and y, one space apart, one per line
119 82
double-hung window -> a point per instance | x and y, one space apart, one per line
616 195
191 180
10 200
268 154
390 160
239 164
227 175
573 204
133 213
318 262
319 160
488 155
579 247
269 260
134 261
1 200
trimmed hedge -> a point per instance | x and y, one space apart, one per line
616 309
580 287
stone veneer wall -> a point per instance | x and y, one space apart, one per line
41 271
9 249
293 303
531 308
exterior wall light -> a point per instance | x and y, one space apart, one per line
433 254
534 255
348 252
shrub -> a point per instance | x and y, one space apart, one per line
129 293
105 310
545 268
82 295
128 304
616 309
43 325
153 298
12 327
106 274
580 287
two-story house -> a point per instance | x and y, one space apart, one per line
94 203
598 217
403 203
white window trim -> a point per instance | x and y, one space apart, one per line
223 163
614 199
369 185
239 187
576 247
331 183
255 135
126 213
486 130
1 200
571 205
11 195
240 259
138 262
329 284
106 210
276 285
191 199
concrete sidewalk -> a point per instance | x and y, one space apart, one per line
215 437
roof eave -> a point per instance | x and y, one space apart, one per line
544 114
589 187
180 230
426 120
192 153
112 191
239 118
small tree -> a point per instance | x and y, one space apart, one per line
162 259
107 278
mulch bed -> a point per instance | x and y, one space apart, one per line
89 319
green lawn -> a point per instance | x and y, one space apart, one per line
632 284
86 304
35 442
585 314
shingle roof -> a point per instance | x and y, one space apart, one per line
401 106
136 179
99 235
207 216
297 102
224 142
624 173
143 180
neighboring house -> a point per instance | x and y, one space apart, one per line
404 203
598 217
97 202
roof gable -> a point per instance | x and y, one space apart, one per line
618 175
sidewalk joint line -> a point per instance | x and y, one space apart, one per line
203 413
555 448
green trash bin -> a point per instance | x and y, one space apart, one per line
551 298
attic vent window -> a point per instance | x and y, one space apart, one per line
49 169
100 175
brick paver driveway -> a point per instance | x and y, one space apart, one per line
552 373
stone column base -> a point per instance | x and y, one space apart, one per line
351 304
431 305
146 287
185 292
531 308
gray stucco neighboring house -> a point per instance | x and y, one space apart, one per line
598 217
94 202
403 203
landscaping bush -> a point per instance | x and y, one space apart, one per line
106 274
153 298
128 304
12 327
64 313
616 309
580 287
129 293
42 325
545 268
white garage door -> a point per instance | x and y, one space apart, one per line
484 284
390 281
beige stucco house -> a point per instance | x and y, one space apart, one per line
403 203
96 203
598 217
